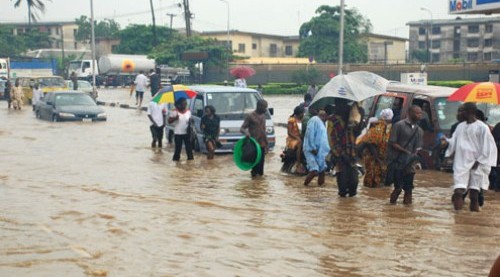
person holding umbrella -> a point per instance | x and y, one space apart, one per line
241 72
181 116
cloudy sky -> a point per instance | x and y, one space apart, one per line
281 17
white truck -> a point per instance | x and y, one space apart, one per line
120 70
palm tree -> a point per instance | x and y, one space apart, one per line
32 5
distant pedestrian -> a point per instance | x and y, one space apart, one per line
240 83
404 142
156 114
255 126
181 116
154 82
37 96
312 90
210 126
8 88
74 80
342 138
475 153
141 83
17 96
316 148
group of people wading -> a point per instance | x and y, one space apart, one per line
332 140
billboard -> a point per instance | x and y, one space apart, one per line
473 6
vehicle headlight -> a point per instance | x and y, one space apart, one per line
101 115
222 131
66 115
269 130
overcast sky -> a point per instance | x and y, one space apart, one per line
280 17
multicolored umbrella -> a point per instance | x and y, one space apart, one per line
486 92
242 71
170 94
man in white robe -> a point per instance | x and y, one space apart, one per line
475 153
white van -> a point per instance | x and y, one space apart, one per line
232 104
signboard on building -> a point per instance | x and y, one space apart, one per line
415 78
473 6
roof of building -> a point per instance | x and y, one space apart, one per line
208 33
457 21
371 35
48 23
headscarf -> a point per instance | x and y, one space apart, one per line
386 114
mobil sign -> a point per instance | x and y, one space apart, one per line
457 6
473 6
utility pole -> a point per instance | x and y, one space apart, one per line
187 17
171 19
341 39
155 40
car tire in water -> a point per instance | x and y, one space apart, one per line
196 144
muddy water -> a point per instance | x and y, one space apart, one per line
93 200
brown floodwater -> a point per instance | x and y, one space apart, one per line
79 199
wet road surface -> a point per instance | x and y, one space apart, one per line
80 199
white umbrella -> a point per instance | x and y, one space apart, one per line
355 86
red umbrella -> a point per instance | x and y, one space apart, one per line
242 71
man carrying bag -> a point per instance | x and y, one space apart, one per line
405 140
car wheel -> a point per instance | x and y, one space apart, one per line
55 118
196 144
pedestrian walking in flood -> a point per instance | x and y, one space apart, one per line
8 89
37 95
141 83
154 82
17 96
254 126
404 142
74 80
316 148
342 139
475 153
181 116
157 116
210 126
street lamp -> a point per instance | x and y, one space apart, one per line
341 39
227 39
429 33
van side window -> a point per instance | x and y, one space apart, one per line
198 104
426 122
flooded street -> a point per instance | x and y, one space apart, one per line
93 199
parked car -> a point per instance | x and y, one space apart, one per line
2 88
232 105
439 115
69 106
83 86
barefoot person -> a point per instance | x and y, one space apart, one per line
316 148
475 153
156 114
210 125
181 117
255 126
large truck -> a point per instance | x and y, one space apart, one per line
120 70
27 67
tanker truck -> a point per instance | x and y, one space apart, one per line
112 69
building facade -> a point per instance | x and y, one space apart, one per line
456 40
260 47
384 49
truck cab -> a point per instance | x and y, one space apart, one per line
83 69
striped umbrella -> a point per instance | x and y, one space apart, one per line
170 94
486 92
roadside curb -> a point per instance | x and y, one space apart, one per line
117 104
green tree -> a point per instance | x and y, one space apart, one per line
320 36
171 51
33 7
310 76
421 55
138 39
34 39
107 28
10 45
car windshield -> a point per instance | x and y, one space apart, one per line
446 112
74 66
232 102
74 99
83 84
491 112
51 82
